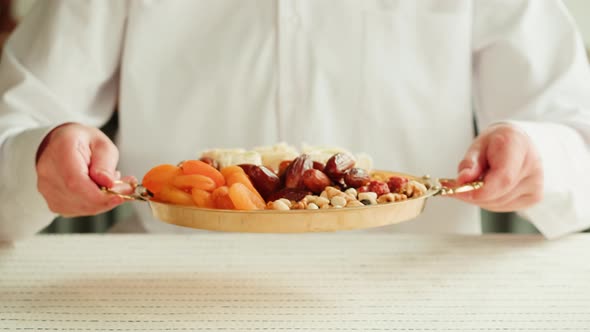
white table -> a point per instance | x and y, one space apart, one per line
314 282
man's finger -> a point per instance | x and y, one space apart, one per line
473 164
505 160
521 202
103 161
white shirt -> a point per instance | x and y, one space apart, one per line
395 79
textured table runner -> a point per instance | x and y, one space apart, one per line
309 282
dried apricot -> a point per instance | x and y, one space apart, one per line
210 161
244 198
171 194
230 170
202 198
159 176
199 167
193 181
242 178
220 198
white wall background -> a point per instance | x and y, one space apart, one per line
580 10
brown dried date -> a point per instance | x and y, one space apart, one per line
319 166
295 170
290 194
315 180
356 177
337 165
283 167
263 179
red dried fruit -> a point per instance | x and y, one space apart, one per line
378 187
264 180
283 167
356 177
363 189
290 194
295 170
210 161
315 180
337 165
396 184
319 166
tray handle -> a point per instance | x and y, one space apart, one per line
139 193
448 187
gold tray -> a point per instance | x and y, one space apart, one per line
303 221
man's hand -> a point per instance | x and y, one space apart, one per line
510 166
72 163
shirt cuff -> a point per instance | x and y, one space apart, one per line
23 211
566 160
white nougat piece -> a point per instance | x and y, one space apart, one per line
229 157
321 153
274 154
364 160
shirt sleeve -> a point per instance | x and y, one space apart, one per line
530 69
60 65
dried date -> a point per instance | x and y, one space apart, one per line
283 167
337 166
319 166
295 170
315 180
263 179
290 194
356 177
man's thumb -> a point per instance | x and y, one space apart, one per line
473 164
103 161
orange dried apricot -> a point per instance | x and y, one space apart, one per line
230 170
220 198
193 181
198 167
202 198
159 176
171 194
244 198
